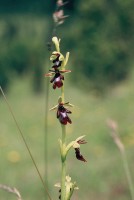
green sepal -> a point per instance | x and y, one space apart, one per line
53 108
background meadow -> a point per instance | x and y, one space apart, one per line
100 86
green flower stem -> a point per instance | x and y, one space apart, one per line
62 93
63 189
63 160
63 127
63 156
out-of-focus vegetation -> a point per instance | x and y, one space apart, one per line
25 29
101 40
22 48
99 35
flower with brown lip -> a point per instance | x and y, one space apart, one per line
62 114
58 78
78 154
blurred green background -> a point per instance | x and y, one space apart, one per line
100 37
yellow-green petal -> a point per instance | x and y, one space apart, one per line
56 42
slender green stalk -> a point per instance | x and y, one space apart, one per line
63 158
62 94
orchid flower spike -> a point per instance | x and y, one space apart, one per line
58 67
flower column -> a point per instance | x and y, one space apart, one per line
57 71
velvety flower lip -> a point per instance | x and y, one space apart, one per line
76 146
62 114
78 155
57 64
57 80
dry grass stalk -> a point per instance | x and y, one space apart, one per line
114 133
58 15
11 190
113 126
